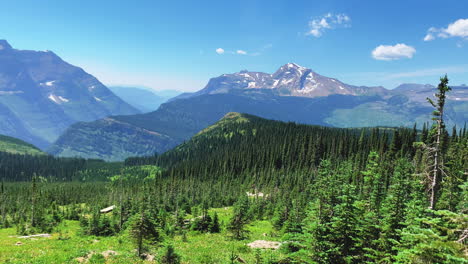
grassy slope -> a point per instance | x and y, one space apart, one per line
17 146
199 248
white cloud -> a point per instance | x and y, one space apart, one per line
458 28
318 25
429 37
257 52
396 52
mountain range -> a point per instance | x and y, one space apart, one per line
292 93
289 80
41 96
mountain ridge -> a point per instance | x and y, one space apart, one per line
188 114
42 95
289 80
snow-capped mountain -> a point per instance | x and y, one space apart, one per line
289 80
41 95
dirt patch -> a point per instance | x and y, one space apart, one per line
85 258
148 257
240 260
109 253
106 254
38 235
264 244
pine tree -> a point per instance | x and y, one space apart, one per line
215 227
239 219
34 196
143 229
343 226
170 256
394 210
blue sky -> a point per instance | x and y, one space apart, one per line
173 44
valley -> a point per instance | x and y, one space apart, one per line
233 132
244 179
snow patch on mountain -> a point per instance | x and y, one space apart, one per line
289 80
308 88
58 99
50 83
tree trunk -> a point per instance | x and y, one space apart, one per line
140 236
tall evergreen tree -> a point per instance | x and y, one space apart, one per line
437 133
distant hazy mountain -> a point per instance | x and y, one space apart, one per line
144 99
109 139
167 94
41 95
286 95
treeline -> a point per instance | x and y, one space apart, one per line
18 167
259 148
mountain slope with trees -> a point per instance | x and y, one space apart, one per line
328 105
331 195
17 146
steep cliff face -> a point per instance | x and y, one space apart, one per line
44 95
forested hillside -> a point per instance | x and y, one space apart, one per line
17 146
23 167
327 195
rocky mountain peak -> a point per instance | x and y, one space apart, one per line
4 45
291 68
290 79
42 95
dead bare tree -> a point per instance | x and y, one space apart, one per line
434 148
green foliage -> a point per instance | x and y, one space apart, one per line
170 257
238 222
98 225
332 195
17 146
430 237
144 229
215 226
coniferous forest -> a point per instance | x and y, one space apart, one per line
325 195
